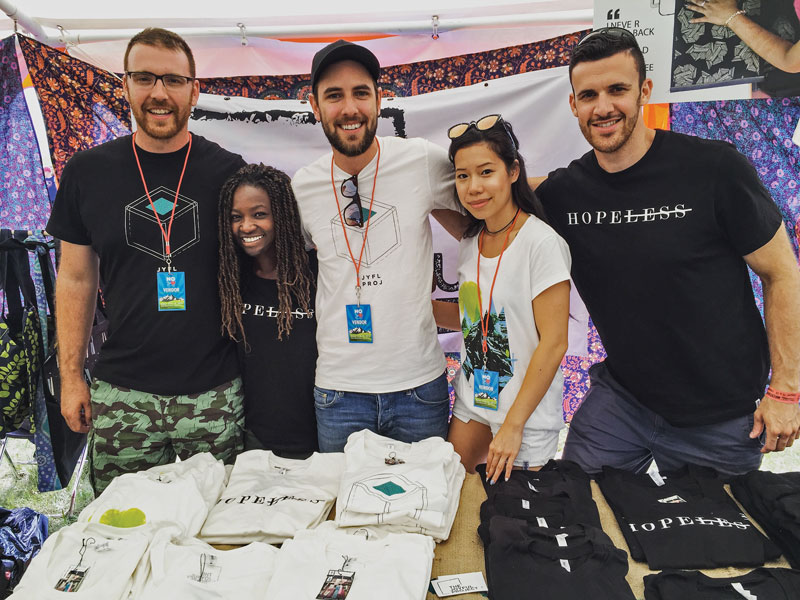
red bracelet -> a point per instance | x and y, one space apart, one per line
784 397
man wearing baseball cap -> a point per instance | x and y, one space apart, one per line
365 206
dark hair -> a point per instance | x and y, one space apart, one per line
294 274
155 36
500 141
601 44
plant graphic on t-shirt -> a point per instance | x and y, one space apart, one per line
498 356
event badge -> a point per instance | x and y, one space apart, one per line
359 323
487 388
171 289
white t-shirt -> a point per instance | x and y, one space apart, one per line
268 498
180 493
419 494
536 259
110 557
397 566
414 177
192 569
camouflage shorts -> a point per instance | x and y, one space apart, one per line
133 431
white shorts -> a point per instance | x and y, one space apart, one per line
537 447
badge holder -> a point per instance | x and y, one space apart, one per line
486 386
337 583
74 576
170 288
359 321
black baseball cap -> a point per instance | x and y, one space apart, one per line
342 50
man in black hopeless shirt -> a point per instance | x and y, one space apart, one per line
140 213
662 228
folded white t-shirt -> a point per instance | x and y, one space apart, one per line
269 498
410 487
396 566
105 571
180 493
191 569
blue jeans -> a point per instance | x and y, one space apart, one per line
407 416
612 428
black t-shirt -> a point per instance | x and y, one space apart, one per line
657 258
769 584
278 375
576 562
101 202
687 522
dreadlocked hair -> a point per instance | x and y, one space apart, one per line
294 277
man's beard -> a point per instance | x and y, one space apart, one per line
608 146
353 148
178 120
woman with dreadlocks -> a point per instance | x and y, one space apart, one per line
266 287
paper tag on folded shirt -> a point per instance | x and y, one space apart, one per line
526 504
738 587
656 477
565 564
796 136
541 522
464 583
561 538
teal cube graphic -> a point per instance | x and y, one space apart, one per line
141 225
390 488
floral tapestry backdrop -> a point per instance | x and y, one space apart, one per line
82 105
761 130
24 202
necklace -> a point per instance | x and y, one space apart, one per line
503 228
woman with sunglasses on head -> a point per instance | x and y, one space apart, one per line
513 308
266 286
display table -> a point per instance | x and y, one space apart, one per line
463 551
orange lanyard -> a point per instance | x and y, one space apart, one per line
485 322
168 232
357 265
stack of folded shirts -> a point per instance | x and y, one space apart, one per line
683 519
773 500
88 560
541 530
557 495
181 493
406 487
760 584
574 562
189 568
333 563
269 498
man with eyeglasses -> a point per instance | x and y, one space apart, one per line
139 214
662 227
365 206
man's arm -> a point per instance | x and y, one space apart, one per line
452 221
775 50
775 264
76 294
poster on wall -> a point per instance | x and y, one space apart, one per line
702 61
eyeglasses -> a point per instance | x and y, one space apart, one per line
353 213
612 32
145 79
483 124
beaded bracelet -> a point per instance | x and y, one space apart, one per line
784 397
733 16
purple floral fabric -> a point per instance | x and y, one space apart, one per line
24 201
